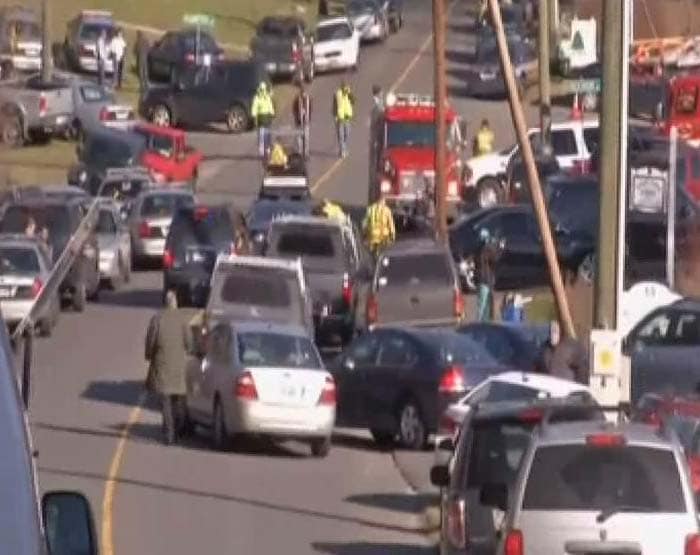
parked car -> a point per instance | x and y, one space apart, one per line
33 110
484 77
584 487
60 218
80 45
335 264
336 45
415 283
398 381
517 182
394 12
262 379
514 16
369 17
283 46
182 50
197 235
115 245
24 269
24 24
200 96
264 211
149 221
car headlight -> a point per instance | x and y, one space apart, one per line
82 176
386 186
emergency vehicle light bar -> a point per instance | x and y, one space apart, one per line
285 182
409 99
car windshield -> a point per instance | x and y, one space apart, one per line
317 246
105 153
18 260
27 30
276 350
92 93
164 205
416 269
410 133
202 227
333 32
91 31
56 219
162 144
586 478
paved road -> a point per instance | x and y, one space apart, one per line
92 435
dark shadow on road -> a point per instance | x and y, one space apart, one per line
356 442
247 502
368 548
123 392
139 298
232 158
404 502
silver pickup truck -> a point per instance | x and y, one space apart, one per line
30 108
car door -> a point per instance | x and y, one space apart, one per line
516 267
193 97
218 368
349 373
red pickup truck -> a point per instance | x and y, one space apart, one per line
168 156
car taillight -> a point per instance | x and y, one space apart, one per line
168 259
458 304
347 289
692 544
245 387
531 416
37 286
107 115
43 105
144 230
190 58
514 543
328 394
372 309
385 186
694 465
605 440
452 381
447 426
456 525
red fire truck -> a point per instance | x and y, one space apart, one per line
402 153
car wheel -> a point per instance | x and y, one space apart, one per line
488 192
412 430
383 439
11 130
237 119
160 115
321 447
219 435
79 299
586 269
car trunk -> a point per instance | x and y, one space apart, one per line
158 226
290 387
326 290
16 286
273 48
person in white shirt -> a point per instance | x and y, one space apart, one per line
117 48
102 56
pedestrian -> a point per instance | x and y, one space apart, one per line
377 98
302 115
378 227
102 56
263 112
489 253
484 140
117 49
564 357
141 47
167 354
343 107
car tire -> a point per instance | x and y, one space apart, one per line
413 433
384 440
586 269
161 116
221 441
79 299
237 120
321 447
11 132
488 192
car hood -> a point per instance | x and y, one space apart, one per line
413 158
362 20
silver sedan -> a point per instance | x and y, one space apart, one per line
115 245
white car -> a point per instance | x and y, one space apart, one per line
572 141
337 45
369 18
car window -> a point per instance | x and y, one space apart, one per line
419 269
164 205
502 391
453 348
91 31
410 133
364 350
93 94
338 31
211 228
109 152
305 244
276 350
106 222
54 218
397 352
583 478
591 136
251 287
18 260
564 142
509 225
686 330
206 43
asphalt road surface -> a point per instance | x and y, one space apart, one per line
95 431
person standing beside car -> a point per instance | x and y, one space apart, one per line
343 111
489 253
102 56
564 357
117 48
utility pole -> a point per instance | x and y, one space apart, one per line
532 176
612 180
440 84
543 62
46 41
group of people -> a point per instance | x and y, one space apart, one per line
111 48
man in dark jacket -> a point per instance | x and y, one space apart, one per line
141 47
489 254
564 357
167 355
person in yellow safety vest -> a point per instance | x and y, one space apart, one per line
343 108
483 142
378 226
263 112
278 157
332 211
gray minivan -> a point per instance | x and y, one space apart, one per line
61 522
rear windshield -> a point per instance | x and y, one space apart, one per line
104 152
106 222
55 218
18 260
455 348
164 205
206 43
318 247
278 27
91 31
419 269
262 214
276 350
583 478
333 32
213 229
253 286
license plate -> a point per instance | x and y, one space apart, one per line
196 257
488 76
32 52
122 115
290 392
5 292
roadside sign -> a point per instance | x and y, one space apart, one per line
587 86
606 351
199 20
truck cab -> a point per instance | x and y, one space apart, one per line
402 153
167 155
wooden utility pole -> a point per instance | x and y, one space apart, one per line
611 180
440 84
544 78
46 41
520 124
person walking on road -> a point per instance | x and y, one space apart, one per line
263 112
141 47
489 254
117 48
167 355
343 108
102 56
378 227
302 115
564 357
484 140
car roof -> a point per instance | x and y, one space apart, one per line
103 132
515 409
567 433
413 246
558 387
270 327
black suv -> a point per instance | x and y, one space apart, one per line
196 238
178 49
61 219
198 96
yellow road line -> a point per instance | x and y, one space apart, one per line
107 536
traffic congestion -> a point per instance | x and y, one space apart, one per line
234 325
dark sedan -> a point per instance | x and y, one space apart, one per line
398 381
264 211
484 78
179 49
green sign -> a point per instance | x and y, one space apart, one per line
199 20
587 86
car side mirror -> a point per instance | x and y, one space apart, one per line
494 495
440 476
69 524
